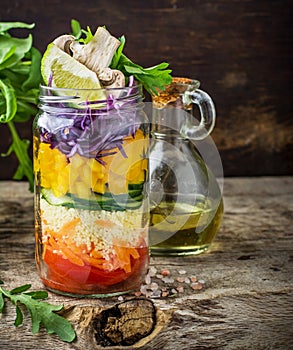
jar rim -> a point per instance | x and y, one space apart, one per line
137 85
94 98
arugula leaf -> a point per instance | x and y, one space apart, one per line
39 294
41 312
20 289
19 317
20 77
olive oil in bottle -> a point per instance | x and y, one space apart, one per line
182 229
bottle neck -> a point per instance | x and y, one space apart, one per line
167 122
168 134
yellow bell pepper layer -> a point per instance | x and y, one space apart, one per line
80 176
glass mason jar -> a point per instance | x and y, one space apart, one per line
185 198
91 207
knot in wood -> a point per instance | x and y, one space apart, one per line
125 323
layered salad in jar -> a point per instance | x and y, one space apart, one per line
91 165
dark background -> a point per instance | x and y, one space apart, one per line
240 50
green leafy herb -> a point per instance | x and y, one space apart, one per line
20 77
41 312
5 26
152 78
77 32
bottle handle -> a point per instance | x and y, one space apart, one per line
207 116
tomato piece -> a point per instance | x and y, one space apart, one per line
64 275
61 269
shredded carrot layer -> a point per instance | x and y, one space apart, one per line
62 243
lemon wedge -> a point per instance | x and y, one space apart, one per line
68 73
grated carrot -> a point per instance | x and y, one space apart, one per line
133 252
105 223
53 243
99 263
70 226
123 257
74 259
96 254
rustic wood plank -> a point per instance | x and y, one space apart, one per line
245 302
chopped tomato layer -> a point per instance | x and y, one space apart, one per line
70 276
74 268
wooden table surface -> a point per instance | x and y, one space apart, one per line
245 301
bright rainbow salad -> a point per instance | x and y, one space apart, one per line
91 166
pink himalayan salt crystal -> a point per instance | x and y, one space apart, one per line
196 286
180 279
165 272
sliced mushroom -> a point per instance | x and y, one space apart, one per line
64 42
98 53
107 76
119 79
112 78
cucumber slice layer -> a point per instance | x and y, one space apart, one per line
132 200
